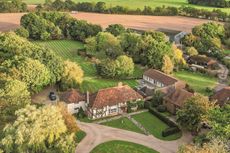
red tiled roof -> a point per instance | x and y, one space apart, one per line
222 96
160 76
113 96
178 97
72 96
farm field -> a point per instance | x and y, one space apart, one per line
199 82
116 146
123 123
67 49
134 4
154 125
10 21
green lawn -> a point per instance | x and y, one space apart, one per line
199 82
118 146
123 123
227 52
154 125
133 4
67 49
80 135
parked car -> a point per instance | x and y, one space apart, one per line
52 96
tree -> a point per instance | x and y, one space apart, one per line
214 146
13 95
167 65
178 57
100 7
14 49
103 45
157 99
116 29
194 111
156 52
22 32
132 44
125 66
33 73
108 44
69 119
158 36
72 75
191 51
37 130
218 119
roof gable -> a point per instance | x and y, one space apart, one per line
113 96
178 97
160 76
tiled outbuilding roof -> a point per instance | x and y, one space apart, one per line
222 96
72 96
160 76
113 96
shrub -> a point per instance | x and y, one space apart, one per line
22 32
161 108
141 104
170 131
116 29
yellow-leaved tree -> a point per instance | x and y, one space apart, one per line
167 65
72 75
38 130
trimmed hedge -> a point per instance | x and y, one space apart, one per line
173 127
169 131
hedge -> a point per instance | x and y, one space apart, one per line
169 131
173 127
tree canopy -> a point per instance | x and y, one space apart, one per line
38 130
194 111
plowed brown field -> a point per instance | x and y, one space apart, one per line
9 21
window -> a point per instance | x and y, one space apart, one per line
113 110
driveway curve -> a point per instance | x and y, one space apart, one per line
97 134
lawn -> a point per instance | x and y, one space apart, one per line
67 49
123 123
133 4
199 82
80 135
118 146
154 125
226 52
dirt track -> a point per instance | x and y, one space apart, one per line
9 21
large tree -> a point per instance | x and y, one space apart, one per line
116 29
72 75
219 120
123 67
13 95
104 45
33 73
38 130
194 111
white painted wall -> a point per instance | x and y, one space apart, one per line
74 107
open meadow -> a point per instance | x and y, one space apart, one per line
134 4
67 49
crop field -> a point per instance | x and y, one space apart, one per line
133 4
67 49
10 21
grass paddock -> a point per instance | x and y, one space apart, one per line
118 146
67 49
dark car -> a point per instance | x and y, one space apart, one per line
52 96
